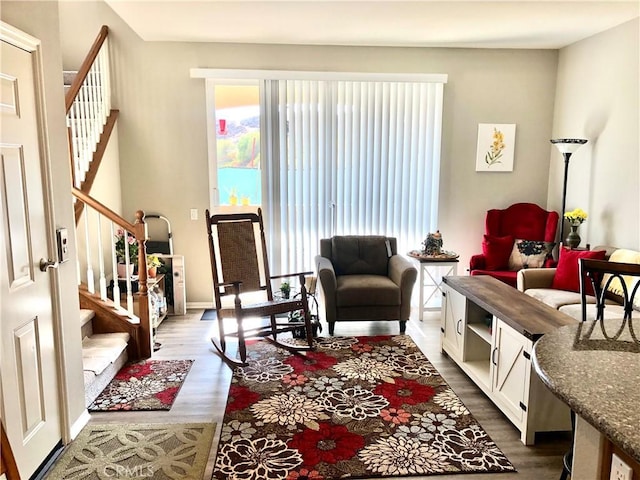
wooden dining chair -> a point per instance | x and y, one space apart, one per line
242 286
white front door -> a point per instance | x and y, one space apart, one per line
30 393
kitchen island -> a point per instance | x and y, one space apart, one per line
594 367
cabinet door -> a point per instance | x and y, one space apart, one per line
453 322
510 370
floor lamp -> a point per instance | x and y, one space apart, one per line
566 146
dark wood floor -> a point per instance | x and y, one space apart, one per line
203 396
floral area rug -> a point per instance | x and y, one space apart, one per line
146 385
357 407
153 451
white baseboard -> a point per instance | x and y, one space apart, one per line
79 424
199 305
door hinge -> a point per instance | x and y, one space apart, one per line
523 407
526 354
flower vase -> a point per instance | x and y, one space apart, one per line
152 272
122 270
573 239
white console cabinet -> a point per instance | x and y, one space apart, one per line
496 356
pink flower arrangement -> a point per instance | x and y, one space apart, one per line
121 249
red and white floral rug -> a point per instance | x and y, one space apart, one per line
146 385
357 407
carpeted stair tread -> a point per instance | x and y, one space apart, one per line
101 350
86 315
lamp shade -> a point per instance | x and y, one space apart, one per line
568 145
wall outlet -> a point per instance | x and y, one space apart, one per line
619 469
194 214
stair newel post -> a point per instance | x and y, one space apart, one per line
143 292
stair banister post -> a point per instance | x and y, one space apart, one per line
143 304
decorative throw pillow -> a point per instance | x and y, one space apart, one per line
496 251
567 275
529 254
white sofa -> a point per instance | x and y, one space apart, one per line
537 282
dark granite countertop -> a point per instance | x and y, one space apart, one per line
597 376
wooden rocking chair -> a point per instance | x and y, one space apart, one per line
242 285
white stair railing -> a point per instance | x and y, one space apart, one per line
88 106
100 251
97 235
98 255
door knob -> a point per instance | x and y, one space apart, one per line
47 264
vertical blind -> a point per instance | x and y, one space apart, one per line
348 158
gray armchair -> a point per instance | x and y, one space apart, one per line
363 278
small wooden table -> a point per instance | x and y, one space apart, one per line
431 270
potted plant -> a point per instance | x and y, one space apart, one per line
285 289
153 262
121 252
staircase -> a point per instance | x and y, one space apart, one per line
103 355
112 332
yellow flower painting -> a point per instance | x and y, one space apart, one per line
495 147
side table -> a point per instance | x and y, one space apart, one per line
431 270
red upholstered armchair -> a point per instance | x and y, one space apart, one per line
520 221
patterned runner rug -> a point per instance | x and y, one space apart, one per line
146 385
160 452
358 407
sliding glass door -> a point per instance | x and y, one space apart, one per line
330 157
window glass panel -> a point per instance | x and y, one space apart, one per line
237 134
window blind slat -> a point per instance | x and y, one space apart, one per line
351 157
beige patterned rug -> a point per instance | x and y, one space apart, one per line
156 451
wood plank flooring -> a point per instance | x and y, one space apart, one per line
204 393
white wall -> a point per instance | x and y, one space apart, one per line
597 99
40 19
162 127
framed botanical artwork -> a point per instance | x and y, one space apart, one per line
496 147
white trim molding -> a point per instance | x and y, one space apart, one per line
79 424
232 74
